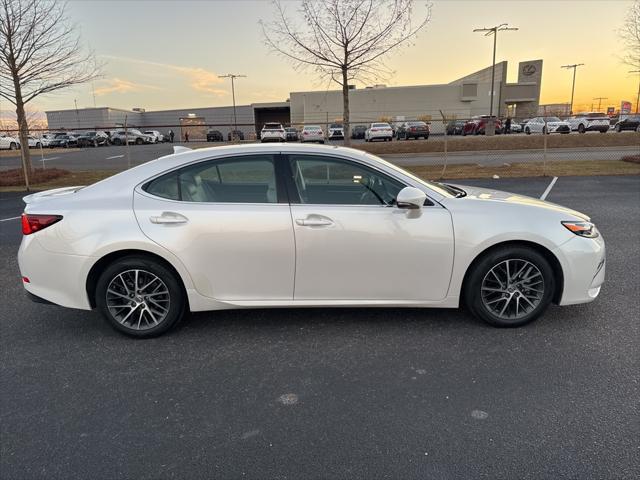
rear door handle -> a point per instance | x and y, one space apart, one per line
314 222
168 218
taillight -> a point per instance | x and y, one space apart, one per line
35 223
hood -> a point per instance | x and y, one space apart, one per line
490 195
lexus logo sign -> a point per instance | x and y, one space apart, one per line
529 70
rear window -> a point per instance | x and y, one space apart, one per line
417 124
380 125
335 125
311 128
272 126
597 115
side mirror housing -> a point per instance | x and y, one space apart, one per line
411 198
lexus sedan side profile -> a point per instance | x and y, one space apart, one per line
294 225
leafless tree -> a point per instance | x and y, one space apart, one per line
40 53
344 40
630 36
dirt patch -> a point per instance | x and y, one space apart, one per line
66 179
15 177
35 152
503 142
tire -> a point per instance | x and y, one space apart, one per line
581 129
544 130
13 146
603 131
119 277
139 141
618 128
38 145
527 131
117 141
483 294
638 129
322 142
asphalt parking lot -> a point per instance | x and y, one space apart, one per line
333 393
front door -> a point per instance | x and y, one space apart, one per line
353 243
229 224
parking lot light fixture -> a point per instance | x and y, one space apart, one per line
488 32
233 76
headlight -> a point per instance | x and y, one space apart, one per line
582 229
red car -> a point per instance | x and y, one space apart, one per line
477 125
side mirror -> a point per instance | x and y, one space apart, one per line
410 197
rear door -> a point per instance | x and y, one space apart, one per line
228 221
352 243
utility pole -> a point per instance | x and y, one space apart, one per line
600 101
573 85
638 97
233 76
487 32
75 102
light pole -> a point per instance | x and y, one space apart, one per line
487 32
573 85
600 101
233 76
638 97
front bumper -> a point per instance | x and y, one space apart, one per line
583 262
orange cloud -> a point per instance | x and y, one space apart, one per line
117 85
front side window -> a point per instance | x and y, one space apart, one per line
247 179
333 181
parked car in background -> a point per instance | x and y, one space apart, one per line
235 135
632 122
546 125
477 125
523 123
215 136
46 138
312 133
336 131
379 131
131 136
7 142
93 139
587 122
291 134
212 229
358 131
455 127
63 141
34 142
273 132
515 127
407 130
156 135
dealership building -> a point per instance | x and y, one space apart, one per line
459 99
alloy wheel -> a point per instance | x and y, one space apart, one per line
512 289
138 299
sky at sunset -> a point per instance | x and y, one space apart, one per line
168 54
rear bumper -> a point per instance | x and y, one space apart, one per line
54 277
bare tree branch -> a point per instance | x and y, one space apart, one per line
630 36
40 53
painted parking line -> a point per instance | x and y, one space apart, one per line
115 156
546 192
7 219
49 158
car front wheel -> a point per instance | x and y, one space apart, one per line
140 297
510 287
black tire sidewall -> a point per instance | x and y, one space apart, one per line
472 293
176 294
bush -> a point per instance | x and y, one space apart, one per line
15 177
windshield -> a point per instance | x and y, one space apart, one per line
380 125
416 124
272 126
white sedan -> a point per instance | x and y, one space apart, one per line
378 131
9 143
299 226
312 133
546 125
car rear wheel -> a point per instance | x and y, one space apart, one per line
581 129
117 141
138 141
638 129
140 297
527 131
510 286
13 146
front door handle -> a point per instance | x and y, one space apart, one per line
314 221
168 218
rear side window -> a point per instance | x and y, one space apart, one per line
247 179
